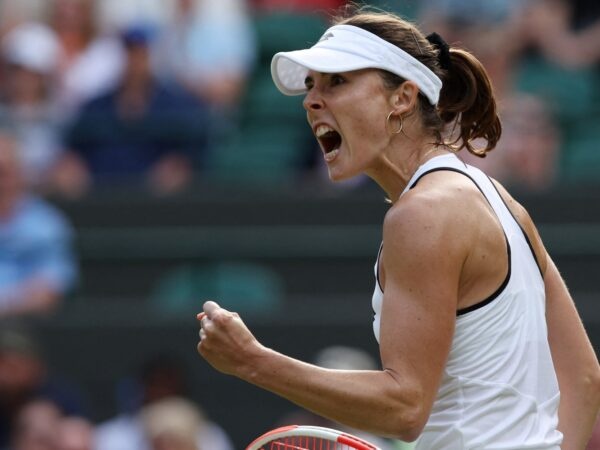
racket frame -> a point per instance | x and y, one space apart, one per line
311 431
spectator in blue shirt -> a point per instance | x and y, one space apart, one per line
37 266
139 131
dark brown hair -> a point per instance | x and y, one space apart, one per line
466 108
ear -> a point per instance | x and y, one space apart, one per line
404 98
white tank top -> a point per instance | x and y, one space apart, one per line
499 389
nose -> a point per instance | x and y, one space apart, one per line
313 101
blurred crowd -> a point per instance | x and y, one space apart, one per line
113 93
543 57
159 95
119 92
41 410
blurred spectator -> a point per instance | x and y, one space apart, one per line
320 6
562 66
173 424
31 53
91 63
491 29
341 358
209 47
527 155
118 14
36 426
161 378
139 130
344 358
15 12
37 266
496 32
75 433
565 32
24 376
41 425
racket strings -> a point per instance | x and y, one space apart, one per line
305 443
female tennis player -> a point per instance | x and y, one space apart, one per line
477 331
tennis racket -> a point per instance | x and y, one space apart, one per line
305 437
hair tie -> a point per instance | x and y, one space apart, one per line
444 50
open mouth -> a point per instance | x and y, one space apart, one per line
329 139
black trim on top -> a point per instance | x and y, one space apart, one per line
498 291
501 288
378 265
537 263
449 169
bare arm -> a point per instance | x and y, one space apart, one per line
368 400
573 356
416 332
575 363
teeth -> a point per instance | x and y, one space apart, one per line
331 155
323 129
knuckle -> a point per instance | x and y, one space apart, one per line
222 317
227 318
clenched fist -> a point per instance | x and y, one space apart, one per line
225 341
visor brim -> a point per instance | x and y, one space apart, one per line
289 69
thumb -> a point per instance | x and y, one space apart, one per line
210 308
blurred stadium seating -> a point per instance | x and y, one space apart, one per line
573 96
320 250
272 142
303 255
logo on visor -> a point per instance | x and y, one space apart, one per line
326 36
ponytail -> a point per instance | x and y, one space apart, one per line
467 100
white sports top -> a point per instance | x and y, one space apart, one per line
499 389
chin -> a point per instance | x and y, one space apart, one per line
339 175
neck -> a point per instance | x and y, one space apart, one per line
395 169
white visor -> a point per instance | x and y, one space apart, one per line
344 48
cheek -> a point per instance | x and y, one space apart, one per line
367 114
367 130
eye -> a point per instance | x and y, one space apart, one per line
337 79
308 83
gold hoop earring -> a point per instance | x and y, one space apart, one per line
387 120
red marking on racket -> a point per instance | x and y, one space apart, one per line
295 437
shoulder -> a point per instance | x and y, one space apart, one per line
173 98
42 206
442 204
429 229
522 216
41 211
101 103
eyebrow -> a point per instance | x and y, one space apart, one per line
323 74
